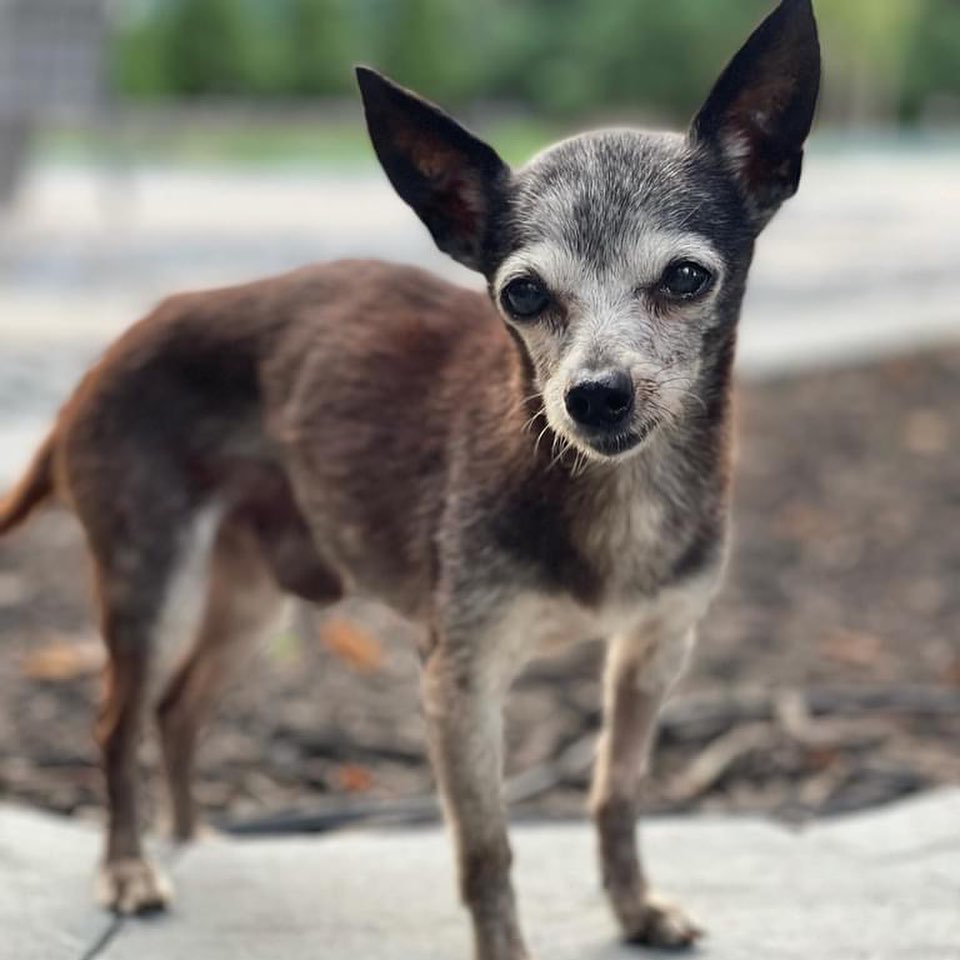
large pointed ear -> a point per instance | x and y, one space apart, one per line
454 181
761 109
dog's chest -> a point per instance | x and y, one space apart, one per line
627 540
628 544
541 623
537 623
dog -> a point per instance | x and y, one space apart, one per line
513 471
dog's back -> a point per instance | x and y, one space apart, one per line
351 375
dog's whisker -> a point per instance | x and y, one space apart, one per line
536 446
565 445
582 464
529 423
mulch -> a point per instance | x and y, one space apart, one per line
827 677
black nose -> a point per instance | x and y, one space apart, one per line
601 400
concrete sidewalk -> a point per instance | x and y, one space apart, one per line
876 886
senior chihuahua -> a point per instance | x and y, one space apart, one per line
513 472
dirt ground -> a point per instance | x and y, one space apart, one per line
827 676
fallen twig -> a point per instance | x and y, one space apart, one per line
711 764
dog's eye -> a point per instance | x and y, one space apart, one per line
685 280
525 297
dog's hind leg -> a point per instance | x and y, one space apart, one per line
262 551
242 602
151 573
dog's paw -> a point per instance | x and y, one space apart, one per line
663 925
132 886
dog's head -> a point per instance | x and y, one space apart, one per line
618 258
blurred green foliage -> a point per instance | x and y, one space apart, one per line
886 60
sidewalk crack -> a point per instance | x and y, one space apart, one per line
104 940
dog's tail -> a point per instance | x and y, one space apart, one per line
35 487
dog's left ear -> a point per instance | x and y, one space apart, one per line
453 181
761 109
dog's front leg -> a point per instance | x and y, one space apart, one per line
639 673
463 696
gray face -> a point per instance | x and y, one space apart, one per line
626 250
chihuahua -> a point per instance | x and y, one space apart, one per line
512 471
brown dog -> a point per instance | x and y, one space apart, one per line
512 472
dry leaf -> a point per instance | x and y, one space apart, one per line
953 672
851 647
926 432
352 644
64 659
799 520
352 778
822 757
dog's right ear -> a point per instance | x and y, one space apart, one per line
453 181
761 109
